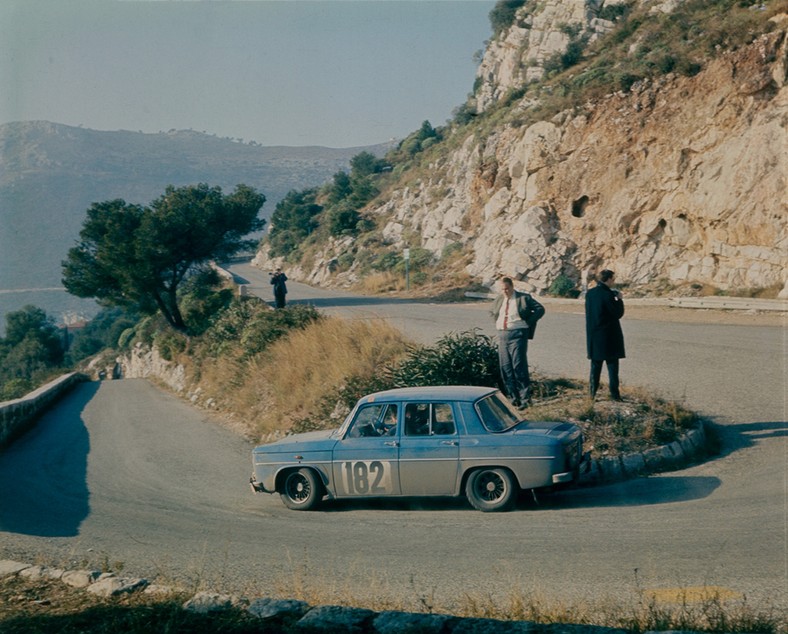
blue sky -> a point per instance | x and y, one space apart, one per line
338 73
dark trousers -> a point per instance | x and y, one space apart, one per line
279 299
612 376
513 360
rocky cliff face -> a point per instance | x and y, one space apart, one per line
518 55
680 179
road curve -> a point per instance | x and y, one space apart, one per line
120 472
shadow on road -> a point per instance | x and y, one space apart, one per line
734 437
43 474
638 492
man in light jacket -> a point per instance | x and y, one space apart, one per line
515 315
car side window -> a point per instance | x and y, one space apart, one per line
374 420
495 414
429 419
389 420
417 419
443 423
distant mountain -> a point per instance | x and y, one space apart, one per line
50 174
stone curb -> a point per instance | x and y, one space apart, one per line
298 616
688 449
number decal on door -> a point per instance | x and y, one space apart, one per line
367 477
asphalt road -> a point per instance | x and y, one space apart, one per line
122 473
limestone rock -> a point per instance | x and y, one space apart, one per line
113 586
41 572
207 602
332 618
277 609
79 578
10 568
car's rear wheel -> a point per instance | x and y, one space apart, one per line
491 489
301 490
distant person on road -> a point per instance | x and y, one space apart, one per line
278 279
604 338
515 315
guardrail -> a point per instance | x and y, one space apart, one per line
730 303
712 302
18 415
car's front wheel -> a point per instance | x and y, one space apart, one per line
492 489
301 490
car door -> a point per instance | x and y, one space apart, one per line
429 449
365 460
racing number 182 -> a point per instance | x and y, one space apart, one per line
359 474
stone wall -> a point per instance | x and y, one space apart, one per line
20 414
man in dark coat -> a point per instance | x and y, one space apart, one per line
278 279
604 338
515 315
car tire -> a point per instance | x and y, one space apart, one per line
301 490
491 489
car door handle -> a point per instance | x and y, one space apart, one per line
452 443
391 443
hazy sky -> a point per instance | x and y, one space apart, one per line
339 73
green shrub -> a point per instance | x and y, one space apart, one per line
562 286
251 324
343 220
613 12
420 259
387 261
451 250
503 13
126 338
345 261
170 343
15 388
466 358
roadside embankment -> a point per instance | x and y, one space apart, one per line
18 415
262 614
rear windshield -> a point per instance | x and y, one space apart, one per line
495 412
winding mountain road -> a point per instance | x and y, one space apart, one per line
122 473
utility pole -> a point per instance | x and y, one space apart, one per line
406 256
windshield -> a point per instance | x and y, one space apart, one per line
496 413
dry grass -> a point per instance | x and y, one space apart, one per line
288 380
640 422
385 282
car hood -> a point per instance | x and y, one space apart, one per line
545 428
301 442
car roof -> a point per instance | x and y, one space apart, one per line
469 393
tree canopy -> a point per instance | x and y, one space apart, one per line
31 348
294 218
137 257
